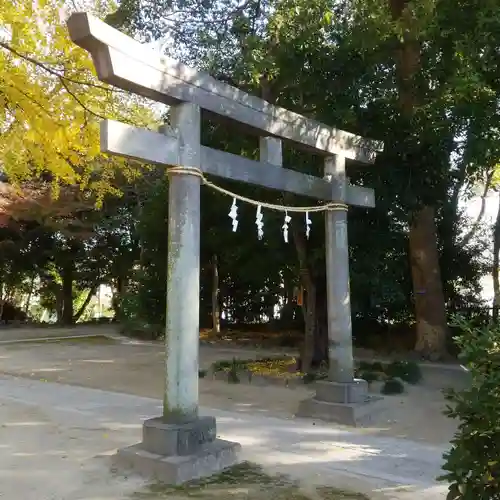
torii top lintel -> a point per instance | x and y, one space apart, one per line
125 63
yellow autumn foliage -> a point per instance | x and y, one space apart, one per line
51 102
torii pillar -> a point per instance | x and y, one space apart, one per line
341 398
181 445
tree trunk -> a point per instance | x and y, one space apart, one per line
67 293
215 296
86 302
321 331
309 304
430 310
310 321
2 300
116 301
495 270
427 285
59 305
30 294
306 276
121 283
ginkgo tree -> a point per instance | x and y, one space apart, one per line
51 102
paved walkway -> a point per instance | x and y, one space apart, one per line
55 442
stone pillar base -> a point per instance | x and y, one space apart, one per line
177 453
342 403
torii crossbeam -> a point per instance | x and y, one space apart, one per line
180 445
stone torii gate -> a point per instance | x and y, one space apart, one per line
181 445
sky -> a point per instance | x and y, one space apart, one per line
473 207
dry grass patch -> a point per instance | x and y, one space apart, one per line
276 367
245 481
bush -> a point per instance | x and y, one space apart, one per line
375 366
409 371
233 373
473 464
393 386
312 377
369 376
226 365
309 378
365 365
12 313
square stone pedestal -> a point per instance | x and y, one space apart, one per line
177 453
342 403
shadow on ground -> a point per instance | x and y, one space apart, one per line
56 441
248 481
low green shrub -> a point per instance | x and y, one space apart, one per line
369 376
311 377
220 366
233 376
393 386
365 365
377 366
202 373
226 365
472 466
409 371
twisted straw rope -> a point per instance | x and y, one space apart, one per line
271 206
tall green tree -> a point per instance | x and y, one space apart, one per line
401 71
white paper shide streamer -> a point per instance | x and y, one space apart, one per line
259 216
234 215
308 225
285 227
259 222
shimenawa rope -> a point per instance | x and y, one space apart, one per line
271 206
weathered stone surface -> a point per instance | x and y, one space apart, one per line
335 392
145 145
352 414
162 438
125 63
182 328
211 458
176 453
347 404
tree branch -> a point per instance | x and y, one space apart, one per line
53 72
86 302
64 81
30 98
79 101
475 226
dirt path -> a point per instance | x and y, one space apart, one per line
138 369
57 440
